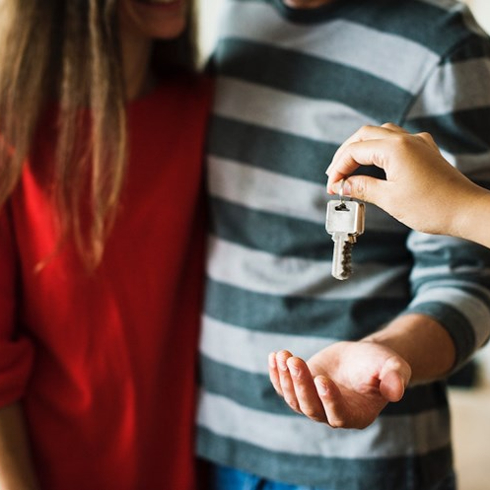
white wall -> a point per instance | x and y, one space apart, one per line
481 9
209 10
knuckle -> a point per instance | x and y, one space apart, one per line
337 424
426 136
366 128
360 187
312 414
293 404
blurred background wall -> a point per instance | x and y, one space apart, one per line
481 9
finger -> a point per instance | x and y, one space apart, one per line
365 133
332 401
305 389
392 387
394 127
376 152
274 374
287 386
365 188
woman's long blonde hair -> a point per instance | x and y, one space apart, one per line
69 51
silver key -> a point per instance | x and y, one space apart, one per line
345 222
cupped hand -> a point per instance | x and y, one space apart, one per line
345 385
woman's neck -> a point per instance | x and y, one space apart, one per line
136 54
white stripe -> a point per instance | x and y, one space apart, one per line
262 272
419 273
420 242
224 343
472 308
338 41
271 192
266 191
315 119
414 435
443 94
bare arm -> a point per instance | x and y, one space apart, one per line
416 338
16 470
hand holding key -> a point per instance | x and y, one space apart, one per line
419 182
345 385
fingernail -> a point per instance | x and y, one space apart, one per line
347 188
321 387
294 370
272 359
281 363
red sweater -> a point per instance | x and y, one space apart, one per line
105 363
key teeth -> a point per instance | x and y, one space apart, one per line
347 260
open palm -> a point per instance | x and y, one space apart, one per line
345 385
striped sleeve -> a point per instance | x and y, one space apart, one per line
451 277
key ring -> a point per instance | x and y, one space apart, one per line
341 192
342 206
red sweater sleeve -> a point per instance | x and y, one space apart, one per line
16 350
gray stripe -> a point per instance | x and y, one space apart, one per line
451 6
287 236
339 319
290 276
277 152
404 473
321 120
442 93
350 44
268 191
472 308
415 435
457 133
224 343
443 4
474 166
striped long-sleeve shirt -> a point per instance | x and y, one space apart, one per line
291 86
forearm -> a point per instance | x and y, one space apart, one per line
16 470
472 216
424 344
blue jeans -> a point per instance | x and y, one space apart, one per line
224 478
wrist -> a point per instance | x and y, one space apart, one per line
415 337
469 215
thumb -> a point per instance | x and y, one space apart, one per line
394 378
362 187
